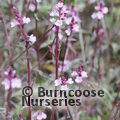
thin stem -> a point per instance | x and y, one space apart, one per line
57 59
69 113
29 80
36 21
95 51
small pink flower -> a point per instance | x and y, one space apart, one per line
94 15
68 20
62 81
68 32
32 39
105 10
74 73
59 5
100 15
84 74
32 7
53 20
12 73
60 36
26 20
14 23
6 83
15 83
58 82
38 1
58 23
69 81
78 79
54 13
40 116
76 18
76 28
100 32
80 75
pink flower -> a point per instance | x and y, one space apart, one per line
79 75
14 23
26 20
58 23
60 36
38 1
105 10
32 39
12 73
74 73
15 83
101 11
76 28
76 18
53 20
99 32
54 13
84 74
62 81
6 83
68 32
98 15
58 82
32 7
69 81
40 116
94 15
68 20
59 5
78 79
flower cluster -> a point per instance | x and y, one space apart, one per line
101 10
62 14
40 116
11 80
25 20
80 74
63 82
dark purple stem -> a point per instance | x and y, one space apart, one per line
69 113
57 59
29 80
